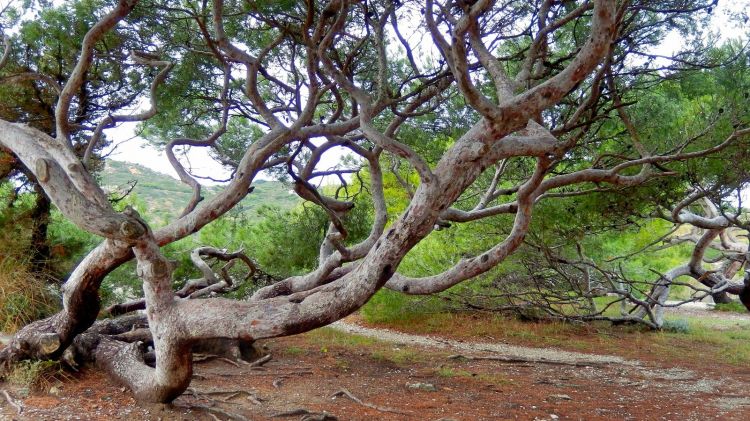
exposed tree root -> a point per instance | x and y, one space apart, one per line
16 405
524 360
292 413
306 415
319 417
230 394
348 394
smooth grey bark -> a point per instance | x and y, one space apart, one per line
707 228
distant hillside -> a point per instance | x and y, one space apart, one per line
165 197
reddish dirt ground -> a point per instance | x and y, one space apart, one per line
308 370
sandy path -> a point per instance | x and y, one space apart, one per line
724 394
705 310
473 348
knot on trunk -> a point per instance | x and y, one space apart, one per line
42 170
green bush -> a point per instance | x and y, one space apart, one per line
676 326
734 307
388 306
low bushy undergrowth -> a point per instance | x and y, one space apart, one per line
388 306
37 375
24 297
733 307
676 326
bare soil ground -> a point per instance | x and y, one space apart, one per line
399 376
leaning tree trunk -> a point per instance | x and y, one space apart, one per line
745 292
730 271
40 248
48 338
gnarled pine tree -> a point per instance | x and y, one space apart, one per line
270 85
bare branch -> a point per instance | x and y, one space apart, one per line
111 120
78 75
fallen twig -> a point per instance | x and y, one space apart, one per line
324 416
524 360
306 415
206 357
292 413
251 397
297 373
18 407
217 392
203 357
348 394
261 371
260 361
228 361
231 396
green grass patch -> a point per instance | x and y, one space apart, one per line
327 337
453 372
390 306
294 351
398 356
494 379
733 307
676 326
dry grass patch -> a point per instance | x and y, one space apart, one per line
24 297
329 339
37 376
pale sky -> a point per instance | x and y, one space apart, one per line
131 148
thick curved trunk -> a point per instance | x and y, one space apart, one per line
730 270
81 306
112 347
48 338
721 298
81 302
